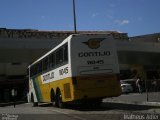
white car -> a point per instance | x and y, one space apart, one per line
126 87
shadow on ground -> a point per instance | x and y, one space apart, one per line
107 106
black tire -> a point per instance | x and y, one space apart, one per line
59 102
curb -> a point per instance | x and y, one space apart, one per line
11 103
136 102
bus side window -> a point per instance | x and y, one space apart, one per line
45 64
59 56
65 51
34 70
39 67
52 60
31 71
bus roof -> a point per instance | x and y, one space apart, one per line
69 38
64 41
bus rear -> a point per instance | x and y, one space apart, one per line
94 66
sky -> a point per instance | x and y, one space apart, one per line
135 17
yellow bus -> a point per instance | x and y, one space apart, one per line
84 68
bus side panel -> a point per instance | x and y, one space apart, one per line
42 91
37 89
34 90
59 78
66 88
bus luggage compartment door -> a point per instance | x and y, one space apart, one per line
94 77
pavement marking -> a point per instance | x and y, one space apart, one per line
131 94
65 113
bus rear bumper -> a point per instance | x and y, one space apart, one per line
96 93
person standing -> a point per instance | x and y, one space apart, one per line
139 84
154 84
